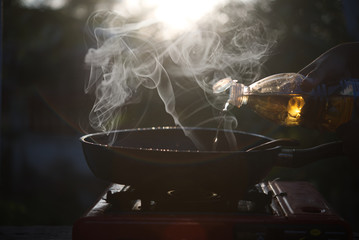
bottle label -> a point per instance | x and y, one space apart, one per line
340 102
351 88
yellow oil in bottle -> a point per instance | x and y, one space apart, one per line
303 110
279 98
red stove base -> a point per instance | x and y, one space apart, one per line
298 212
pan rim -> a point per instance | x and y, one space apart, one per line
84 139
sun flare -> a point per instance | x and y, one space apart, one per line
180 14
176 15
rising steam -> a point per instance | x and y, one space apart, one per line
132 53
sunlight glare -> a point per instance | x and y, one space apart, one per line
294 108
181 14
176 15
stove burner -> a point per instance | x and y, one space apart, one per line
189 200
273 210
191 194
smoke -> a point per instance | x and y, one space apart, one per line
135 52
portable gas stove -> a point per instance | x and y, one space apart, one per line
271 210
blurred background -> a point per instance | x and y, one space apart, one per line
44 179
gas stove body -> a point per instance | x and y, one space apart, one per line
275 210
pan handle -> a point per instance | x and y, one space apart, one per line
275 143
299 157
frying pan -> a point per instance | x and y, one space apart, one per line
156 160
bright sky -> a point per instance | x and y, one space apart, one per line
177 15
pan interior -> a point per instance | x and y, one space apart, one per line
174 139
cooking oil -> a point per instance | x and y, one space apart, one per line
303 110
279 98
220 123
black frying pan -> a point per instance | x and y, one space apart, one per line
161 159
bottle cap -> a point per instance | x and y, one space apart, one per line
222 85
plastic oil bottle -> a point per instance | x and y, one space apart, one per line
279 98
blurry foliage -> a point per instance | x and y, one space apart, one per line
43 53
307 29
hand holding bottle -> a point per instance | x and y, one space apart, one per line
338 63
